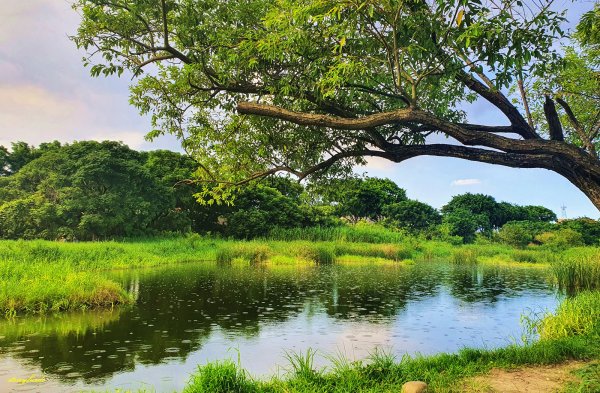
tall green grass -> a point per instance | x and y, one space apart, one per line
361 233
252 252
577 270
579 315
221 377
42 276
465 256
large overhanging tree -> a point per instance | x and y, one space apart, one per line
315 87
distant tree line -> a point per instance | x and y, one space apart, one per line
101 190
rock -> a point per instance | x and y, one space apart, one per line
414 387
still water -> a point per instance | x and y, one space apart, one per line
191 314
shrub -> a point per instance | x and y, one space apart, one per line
588 228
561 239
516 234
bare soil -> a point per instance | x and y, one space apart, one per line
538 379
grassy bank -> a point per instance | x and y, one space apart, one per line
41 276
573 332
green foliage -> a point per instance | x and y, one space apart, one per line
482 208
574 85
411 215
257 209
363 198
521 233
463 223
487 215
517 234
87 190
560 239
588 228
445 233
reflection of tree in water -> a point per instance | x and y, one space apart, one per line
178 309
376 294
489 283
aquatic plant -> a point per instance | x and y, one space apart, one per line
577 270
321 253
253 252
465 256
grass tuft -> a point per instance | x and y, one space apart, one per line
220 377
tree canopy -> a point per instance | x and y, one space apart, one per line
313 87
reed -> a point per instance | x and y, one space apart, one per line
361 233
577 270
253 252
465 256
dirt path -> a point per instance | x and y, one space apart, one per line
539 379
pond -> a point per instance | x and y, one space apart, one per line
199 312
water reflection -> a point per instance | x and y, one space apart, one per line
190 313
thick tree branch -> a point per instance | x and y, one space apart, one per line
497 99
554 126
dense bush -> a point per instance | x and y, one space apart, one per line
561 239
521 233
588 228
411 215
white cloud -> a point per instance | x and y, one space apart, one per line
465 182
378 163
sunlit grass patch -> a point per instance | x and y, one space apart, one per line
464 256
574 316
252 252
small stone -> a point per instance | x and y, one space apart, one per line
414 387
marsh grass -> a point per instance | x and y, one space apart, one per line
42 276
253 252
357 233
464 256
578 270
394 252
320 253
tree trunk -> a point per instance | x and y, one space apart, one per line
588 184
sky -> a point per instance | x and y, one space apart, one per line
47 94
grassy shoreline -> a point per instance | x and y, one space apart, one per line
384 373
572 332
42 276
